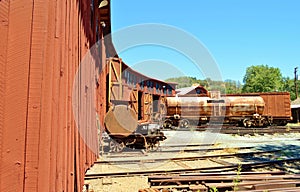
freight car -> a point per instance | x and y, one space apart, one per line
248 110
124 130
277 106
134 107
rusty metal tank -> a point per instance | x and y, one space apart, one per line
206 106
188 106
120 121
244 106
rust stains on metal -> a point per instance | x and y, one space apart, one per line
121 121
278 104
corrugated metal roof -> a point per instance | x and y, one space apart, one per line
185 90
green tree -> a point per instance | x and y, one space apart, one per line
289 86
183 81
233 86
262 78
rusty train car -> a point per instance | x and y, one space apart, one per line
248 110
277 106
134 107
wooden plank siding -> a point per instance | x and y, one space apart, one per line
42 44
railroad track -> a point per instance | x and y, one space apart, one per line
190 158
229 181
222 162
229 129
208 167
173 151
252 131
111 160
244 167
180 148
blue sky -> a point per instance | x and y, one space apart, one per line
237 34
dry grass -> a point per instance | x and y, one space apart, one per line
293 124
231 150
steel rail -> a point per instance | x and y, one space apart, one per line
191 158
244 166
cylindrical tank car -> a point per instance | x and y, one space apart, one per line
247 110
124 130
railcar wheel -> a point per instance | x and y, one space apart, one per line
264 122
116 146
247 123
184 123
153 146
167 123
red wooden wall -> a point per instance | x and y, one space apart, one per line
42 43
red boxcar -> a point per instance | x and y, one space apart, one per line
278 105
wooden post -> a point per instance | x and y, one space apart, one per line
296 85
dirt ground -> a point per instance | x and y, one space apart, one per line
230 142
118 184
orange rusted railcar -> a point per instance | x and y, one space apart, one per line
246 109
201 110
278 105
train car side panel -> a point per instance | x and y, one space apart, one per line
278 105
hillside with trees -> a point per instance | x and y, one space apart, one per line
228 86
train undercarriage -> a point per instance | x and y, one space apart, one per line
146 137
254 121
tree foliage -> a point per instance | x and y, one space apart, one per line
183 81
289 86
233 86
262 78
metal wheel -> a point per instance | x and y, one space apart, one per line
167 123
184 123
153 146
247 123
265 122
116 146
